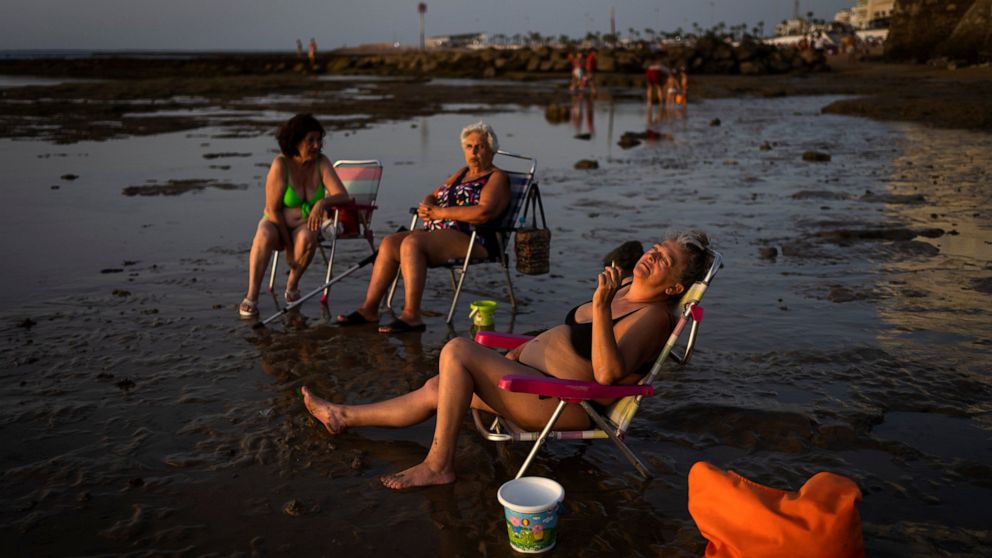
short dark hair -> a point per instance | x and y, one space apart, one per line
294 130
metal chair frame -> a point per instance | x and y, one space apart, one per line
521 185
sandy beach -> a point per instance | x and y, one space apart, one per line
848 332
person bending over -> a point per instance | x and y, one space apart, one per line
612 339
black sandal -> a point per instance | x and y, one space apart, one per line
399 326
353 319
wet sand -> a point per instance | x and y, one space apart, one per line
140 416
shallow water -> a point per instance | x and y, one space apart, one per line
141 416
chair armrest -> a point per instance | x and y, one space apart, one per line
570 390
499 340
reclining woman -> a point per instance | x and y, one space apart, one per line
300 187
477 194
611 340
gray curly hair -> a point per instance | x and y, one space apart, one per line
485 130
695 244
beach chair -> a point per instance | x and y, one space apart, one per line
522 184
613 421
349 221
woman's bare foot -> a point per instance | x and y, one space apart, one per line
418 475
329 414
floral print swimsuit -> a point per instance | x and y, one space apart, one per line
463 194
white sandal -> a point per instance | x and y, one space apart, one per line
248 308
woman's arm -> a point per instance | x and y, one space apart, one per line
275 189
493 201
334 193
615 356
608 363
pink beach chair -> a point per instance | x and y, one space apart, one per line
350 221
614 421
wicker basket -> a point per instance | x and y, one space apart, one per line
533 248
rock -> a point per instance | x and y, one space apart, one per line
715 122
586 164
125 384
293 508
839 293
556 114
627 142
765 146
625 256
27 323
982 285
69 176
768 252
816 157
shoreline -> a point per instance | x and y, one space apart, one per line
935 97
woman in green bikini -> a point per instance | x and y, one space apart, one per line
299 189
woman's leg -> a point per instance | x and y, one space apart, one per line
420 250
265 242
304 246
468 376
399 412
387 264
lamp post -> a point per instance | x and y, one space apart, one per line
422 9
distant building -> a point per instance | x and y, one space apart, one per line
793 26
871 14
464 40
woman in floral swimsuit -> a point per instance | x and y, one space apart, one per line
473 196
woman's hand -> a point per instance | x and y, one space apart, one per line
427 212
514 353
317 215
609 283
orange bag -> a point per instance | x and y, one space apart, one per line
742 519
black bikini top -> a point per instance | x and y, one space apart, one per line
581 334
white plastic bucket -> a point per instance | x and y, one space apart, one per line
530 507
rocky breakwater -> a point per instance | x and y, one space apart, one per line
707 55
958 30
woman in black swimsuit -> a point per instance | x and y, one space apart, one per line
607 340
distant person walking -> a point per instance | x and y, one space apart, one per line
299 49
312 53
576 61
590 67
655 75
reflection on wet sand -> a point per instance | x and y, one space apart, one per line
138 412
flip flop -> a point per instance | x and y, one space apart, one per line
353 319
399 326
291 295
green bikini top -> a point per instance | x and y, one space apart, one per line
292 199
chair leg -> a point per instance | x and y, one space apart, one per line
392 291
275 264
626 451
540 439
330 269
504 261
509 285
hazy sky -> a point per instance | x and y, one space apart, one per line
275 24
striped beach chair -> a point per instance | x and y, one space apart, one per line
348 221
613 421
522 185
